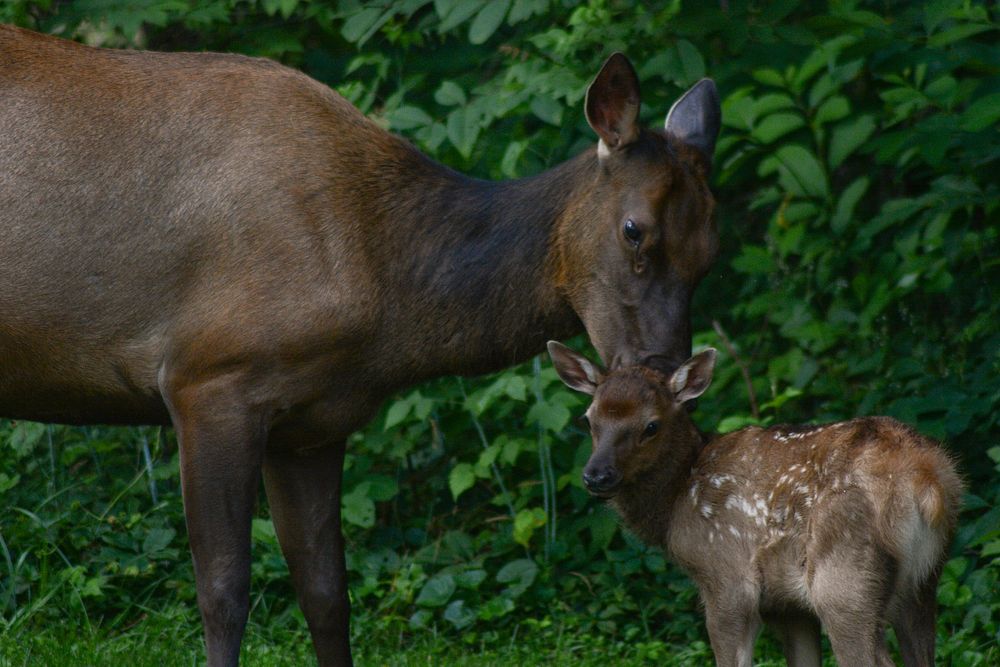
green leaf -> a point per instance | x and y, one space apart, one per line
981 114
450 94
848 137
488 20
437 591
833 109
157 539
520 574
525 523
754 260
358 24
408 118
459 615
775 126
848 199
24 436
460 479
550 416
807 176
458 13
957 33
463 129
547 109
497 607
357 508
396 413
262 530
7 483
470 579
692 64
508 165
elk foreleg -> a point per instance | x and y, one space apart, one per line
303 491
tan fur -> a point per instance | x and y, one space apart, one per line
847 523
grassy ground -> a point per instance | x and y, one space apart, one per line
174 638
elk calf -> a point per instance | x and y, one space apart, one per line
845 524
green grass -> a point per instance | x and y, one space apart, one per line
173 637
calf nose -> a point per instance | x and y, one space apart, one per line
601 481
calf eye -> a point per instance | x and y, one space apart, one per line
632 232
651 429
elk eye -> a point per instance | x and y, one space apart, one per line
632 232
651 429
584 421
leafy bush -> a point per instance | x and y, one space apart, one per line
858 275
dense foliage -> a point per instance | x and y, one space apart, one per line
859 274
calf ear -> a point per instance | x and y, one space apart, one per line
696 117
575 369
612 104
693 377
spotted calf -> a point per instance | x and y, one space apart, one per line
844 525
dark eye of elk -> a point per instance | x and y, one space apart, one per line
651 429
632 232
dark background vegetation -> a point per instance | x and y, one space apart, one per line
859 274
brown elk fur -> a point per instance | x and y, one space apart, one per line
223 244
846 523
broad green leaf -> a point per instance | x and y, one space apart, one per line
360 23
833 109
957 33
805 170
459 615
470 578
547 109
157 539
496 608
519 574
7 483
437 591
511 156
551 416
692 63
488 20
24 436
754 260
463 129
981 114
460 479
459 13
396 413
408 117
525 523
357 508
775 126
847 137
450 94
846 203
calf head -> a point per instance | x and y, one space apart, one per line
636 416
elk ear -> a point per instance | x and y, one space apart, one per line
693 377
696 117
575 369
612 104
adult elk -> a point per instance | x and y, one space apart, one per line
847 523
225 245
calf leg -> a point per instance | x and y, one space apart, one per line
220 442
303 490
733 623
800 640
914 623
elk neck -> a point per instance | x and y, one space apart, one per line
470 266
647 502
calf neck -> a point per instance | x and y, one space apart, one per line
845 524
225 245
